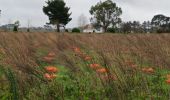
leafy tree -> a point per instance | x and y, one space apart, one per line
126 27
105 14
58 13
161 23
157 20
16 25
146 26
136 27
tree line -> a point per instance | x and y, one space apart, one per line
105 15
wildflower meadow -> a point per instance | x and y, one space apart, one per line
50 66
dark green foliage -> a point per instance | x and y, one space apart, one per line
105 14
28 30
126 27
161 23
111 30
17 24
15 29
13 84
76 30
57 12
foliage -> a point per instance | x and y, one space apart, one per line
57 12
76 30
105 14
13 84
16 25
161 23
111 30
15 29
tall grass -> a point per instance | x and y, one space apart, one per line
24 54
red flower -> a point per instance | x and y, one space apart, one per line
148 70
94 66
49 76
168 81
101 70
51 69
76 50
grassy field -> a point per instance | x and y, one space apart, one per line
61 66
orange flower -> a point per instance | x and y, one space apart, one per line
101 70
168 81
87 58
49 76
148 70
51 69
94 66
144 69
51 54
76 49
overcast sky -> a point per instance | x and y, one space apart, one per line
24 10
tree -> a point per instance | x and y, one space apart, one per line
126 27
146 26
161 23
136 27
158 20
16 25
82 21
105 14
58 13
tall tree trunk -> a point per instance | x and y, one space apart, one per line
58 28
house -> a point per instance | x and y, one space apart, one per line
8 27
90 29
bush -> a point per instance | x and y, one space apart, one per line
111 30
15 29
28 30
76 30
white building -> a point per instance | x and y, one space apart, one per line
90 29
